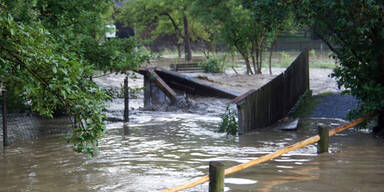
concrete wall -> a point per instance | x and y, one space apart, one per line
26 127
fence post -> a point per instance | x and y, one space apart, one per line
216 176
4 114
126 100
322 145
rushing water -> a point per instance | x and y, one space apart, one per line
158 150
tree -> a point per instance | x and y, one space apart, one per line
41 52
155 16
270 18
354 31
244 25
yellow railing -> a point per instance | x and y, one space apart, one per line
273 155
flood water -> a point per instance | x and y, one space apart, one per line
159 150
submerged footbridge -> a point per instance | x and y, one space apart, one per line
161 87
256 108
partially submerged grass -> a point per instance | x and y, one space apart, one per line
307 105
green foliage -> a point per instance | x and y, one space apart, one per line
229 122
115 55
312 53
307 105
156 18
40 49
15 98
248 26
213 65
354 31
285 59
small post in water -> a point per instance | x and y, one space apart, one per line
126 100
4 114
216 176
322 145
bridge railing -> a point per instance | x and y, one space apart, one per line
218 179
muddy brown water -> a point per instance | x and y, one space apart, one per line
159 150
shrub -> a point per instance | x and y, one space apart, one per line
285 59
229 122
213 65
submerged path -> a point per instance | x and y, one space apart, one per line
335 105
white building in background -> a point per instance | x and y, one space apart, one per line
111 31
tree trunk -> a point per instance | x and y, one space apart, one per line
260 61
249 69
260 55
211 47
187 39
379 129
254 57
270 55
178 50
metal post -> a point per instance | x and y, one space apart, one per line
126 100
4 113
322 145
216 176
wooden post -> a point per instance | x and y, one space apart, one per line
171 94
4 113
216 176
126 129
322 145
126 100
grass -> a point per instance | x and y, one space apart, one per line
308 104
325 94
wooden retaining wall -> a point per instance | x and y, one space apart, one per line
273 101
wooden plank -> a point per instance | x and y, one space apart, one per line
243 96
162 85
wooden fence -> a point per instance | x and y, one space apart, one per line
273 101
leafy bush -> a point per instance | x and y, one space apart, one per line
229 122
16 102
312 54
213 65
285 60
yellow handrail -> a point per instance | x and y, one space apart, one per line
273 155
